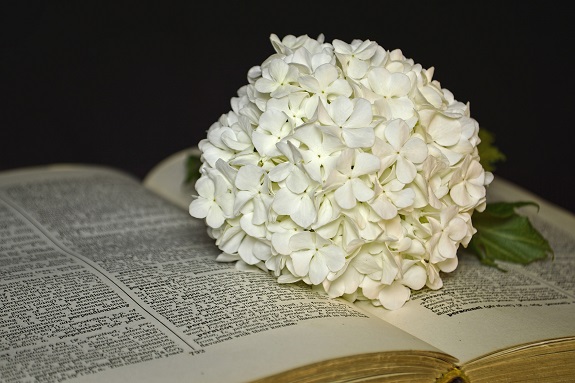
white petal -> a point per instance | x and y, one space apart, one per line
361 115
309 83
326 213
383 207
390 268
415 150
446 247
242 197
398 84
358 137
340 110
303 240
396 133
285 202
265 85
444 130
246 251
366 264
365 163
280 242
212 154
225 257
317 270
460 195
205 187
272 120
310 135
280 172
404 170
301 261
452 156
475 191
233 142
323 115
370 288
278 69
361 191
344 196
434 281
313 170
288 278
345 161
265 144
215 218
226 204
261 209
404 198
200 207
340 87
457 229
432 96
415 277
401 108
326 74
226 170
357 68
394 297
262 250
249 177
304 213
448 265
334 257
488 178
377 79
297 181
257 231
221 183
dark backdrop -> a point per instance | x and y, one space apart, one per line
127 84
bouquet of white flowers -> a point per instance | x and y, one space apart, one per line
345 166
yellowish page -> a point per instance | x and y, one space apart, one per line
481 309
102 280
167 179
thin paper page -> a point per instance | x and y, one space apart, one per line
105 280
481 309
167 179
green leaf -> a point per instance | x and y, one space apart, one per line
504 235
489 154
505 209
193 164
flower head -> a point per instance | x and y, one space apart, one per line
345 166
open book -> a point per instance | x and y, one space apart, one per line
107 279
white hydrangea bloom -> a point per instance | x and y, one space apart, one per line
345 166
215 200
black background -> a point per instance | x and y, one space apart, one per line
126 84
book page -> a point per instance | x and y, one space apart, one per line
481 309
102 280
167 178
